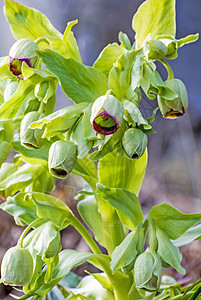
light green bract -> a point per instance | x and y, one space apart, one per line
102 138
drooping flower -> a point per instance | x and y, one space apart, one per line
22 51
106 114
62 158
134 142
175 108
17 267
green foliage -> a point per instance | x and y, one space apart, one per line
106 125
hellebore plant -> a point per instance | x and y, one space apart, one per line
104 125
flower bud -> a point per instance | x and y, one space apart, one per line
31 138
22 51
134 142
62 158
148 271
17 267
157 49
175 108
106 114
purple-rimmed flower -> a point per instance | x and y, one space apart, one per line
106 114
22 51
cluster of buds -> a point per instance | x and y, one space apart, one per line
107 117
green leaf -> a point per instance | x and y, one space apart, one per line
21 207
52 209
41 237
160 19
168 252
87 170
188 39
80 83
126 75
67 260
59 121
70 42
126 252
173 222
190 235
108 57
92 219
121 172
24 92
28 22
19 179
126 204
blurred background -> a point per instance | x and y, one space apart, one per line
174 166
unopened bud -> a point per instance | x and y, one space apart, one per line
148 271
17 267
31 138
62 158
175 108
134 142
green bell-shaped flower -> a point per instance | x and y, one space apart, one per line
62 158
31 138
17 267
175 108
148 271
134 143
22 51
156 49
106 114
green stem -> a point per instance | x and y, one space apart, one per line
113 229
34 223
85 234
168 68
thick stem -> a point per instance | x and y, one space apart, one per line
85 234
113 229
